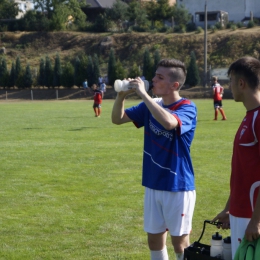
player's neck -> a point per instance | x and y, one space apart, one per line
170 99
252 101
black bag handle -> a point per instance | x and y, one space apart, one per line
209 222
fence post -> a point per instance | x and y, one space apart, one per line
6 95
57 96
31 94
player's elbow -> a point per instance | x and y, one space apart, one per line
116 121
169 126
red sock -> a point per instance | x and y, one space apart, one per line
222 113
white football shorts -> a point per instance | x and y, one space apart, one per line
165 210
237 228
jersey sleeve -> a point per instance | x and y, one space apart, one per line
186 115
137 114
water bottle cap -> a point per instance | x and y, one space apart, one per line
217 236
227 240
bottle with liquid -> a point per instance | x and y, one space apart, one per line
227 254
216 247
124 85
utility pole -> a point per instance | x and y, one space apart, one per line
205 44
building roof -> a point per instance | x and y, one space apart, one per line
100 3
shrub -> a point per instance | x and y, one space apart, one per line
137 28
233 27
199 30
213 29
229 25
191 27
250 24
239 25
219 26
180 28
162 29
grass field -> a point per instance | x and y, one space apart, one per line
70 182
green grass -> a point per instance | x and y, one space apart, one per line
71 183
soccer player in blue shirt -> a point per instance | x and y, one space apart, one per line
169 124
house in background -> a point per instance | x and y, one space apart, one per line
238 10
24 6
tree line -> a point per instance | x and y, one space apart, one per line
73 73
50 15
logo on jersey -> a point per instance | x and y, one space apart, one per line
242 131
159 131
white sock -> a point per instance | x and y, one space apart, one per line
179 256
159 255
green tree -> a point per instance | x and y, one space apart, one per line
156 58
134 71
4 75
34 21
90 71
68 75
111 69
58 12
12 76
17 68
8 9
96 69
118 11
147 65
192 78
57 72
28 80
181 15
41 77
136 14
83 68
77 78
159 11
48 72
120 72
102 23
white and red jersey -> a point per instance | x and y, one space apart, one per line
217 92
245 175
98 96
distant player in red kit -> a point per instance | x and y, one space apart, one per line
98 96
218 92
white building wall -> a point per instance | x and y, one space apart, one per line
252 6
24 7
237 9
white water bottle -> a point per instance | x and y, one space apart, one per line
227 254
124 85
216 247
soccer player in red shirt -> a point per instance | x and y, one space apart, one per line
98 96
218 92
242 210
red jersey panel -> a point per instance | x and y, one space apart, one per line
97 96
218 90
245 175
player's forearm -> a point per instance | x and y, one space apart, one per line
167 120
118 110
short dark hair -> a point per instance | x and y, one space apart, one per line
249 69
178 70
